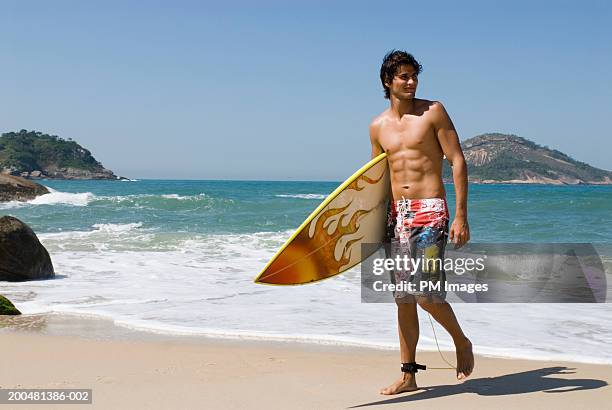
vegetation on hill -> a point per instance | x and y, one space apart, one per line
496 157
32 154
33 150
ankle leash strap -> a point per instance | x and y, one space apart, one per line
412 367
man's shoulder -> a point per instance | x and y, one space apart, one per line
424 104
380 117
434 110
435 106
377 121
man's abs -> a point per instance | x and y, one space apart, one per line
415 160
415 175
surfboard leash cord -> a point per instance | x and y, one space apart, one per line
438 346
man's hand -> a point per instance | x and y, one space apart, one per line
459 232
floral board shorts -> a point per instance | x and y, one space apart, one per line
417 231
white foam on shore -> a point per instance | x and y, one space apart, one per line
113 237
427 343
173 196
12 204
203 285
136 238
66 198
183 197
302 196
114 228
53 198
110 228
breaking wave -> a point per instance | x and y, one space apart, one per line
302 196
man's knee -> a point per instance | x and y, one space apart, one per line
405 303
405 299
425 305
429 304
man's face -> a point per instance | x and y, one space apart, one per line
404 83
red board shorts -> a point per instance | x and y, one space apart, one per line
418 229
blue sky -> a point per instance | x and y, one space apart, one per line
283 90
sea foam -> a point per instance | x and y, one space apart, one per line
53 198
160 256
204 286
66 198
302 196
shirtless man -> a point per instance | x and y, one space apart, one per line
416 134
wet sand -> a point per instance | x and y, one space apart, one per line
129 369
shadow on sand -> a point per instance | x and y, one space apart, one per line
517 383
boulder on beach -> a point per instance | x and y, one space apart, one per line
22 256
14 188
7 308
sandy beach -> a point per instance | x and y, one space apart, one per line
129 369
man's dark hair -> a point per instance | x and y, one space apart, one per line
392 62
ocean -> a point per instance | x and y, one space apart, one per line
179 257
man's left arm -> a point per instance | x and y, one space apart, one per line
449 141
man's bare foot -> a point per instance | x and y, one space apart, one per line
465 359
405 384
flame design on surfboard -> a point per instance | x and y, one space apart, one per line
328 242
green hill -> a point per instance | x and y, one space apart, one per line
34 154
503 158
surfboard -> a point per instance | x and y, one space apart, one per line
329 241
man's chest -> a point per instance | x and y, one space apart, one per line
416 133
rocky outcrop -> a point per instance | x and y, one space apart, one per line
14 188
22 256
74 173
7 308
502 158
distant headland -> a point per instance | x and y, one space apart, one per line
496 158
491 158
32 154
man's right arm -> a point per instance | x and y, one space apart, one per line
374 131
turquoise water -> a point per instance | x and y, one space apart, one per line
180 257
497 213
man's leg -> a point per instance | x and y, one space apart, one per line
408 328
443 313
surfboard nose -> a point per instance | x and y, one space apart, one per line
292 266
